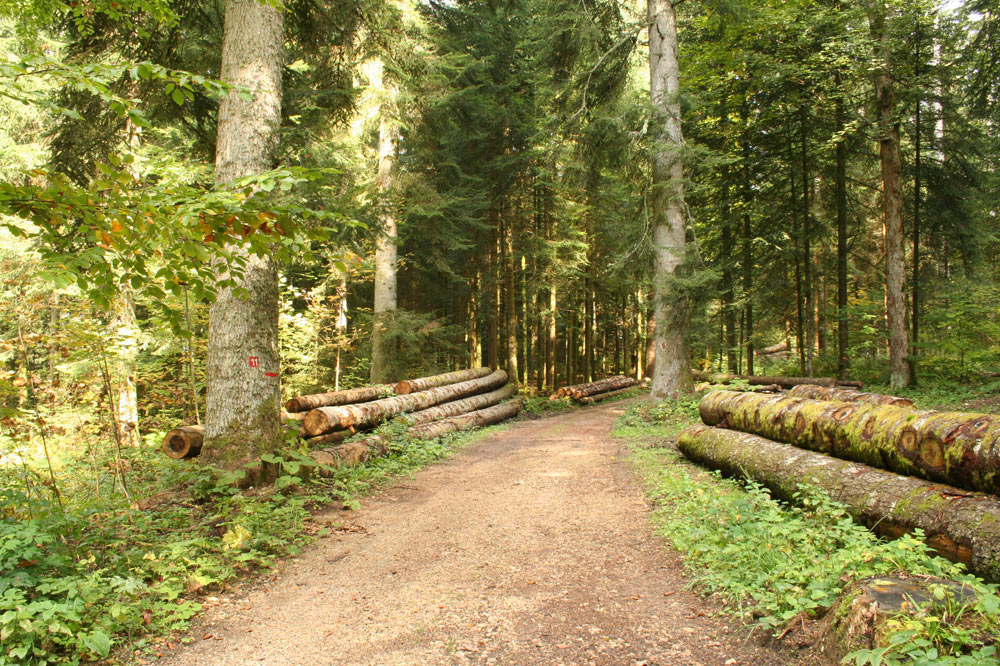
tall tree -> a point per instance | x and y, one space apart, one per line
242 390
672 372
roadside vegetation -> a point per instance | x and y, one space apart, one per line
111 554
775 564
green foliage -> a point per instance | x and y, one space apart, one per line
778 561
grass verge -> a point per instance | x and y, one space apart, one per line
772 563
101 577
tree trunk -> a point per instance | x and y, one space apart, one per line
807 260
956 448
304 403
509 304
959 525
463 406
385 302
840 394
650 343
601 386
345 416
759 380
492 300
843 329
895 268
476 419
552 340
915 287
592 399
672 373
242 399
424 383
126 341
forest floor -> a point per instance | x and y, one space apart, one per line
532 546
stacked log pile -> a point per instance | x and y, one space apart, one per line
889 443
431 406
592 392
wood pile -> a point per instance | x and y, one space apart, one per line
895 468
430 406
760 380
591 392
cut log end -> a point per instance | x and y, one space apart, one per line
183 442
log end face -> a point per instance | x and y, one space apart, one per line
316 422
293 406
403 388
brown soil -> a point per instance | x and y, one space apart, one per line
532 546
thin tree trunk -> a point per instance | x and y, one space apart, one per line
492 285
126 346
242 411
385 302
843 329
510 311
895 268
915 287
672 373
807 259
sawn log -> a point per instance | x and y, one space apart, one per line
183 442
962 526
462 406
843 394
753 380
424 383
956 448
592 399
304 403
602 386
327 418
476 419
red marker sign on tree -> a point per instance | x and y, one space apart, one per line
254 361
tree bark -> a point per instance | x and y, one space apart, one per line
476 419
758 380
672 373
815 392
591 399
304 403
843 328
242 393
385 302
462 406
959 525
345 416
956 448
509 303
424 383
126 340
892 204
601 386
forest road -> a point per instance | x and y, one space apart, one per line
531 546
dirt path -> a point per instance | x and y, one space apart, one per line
531 547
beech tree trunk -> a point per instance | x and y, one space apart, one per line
462 406
385 243
125 334
956 448
304 403
815 392
760 380
476 419
672 372
892 199
959 525
242 393
424 383
345 416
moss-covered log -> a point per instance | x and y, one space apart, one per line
956 448
960 525
592 399
784 382
844 394
304 403
602 386
323 419
424 383
462 406
476 419
183 442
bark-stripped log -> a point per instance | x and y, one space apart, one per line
183 442
602 386
753 380
424 383
962 526
478 418
956 448
304 403
590 400
462 406
814 392
327 418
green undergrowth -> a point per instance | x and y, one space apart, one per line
105 577
772 563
